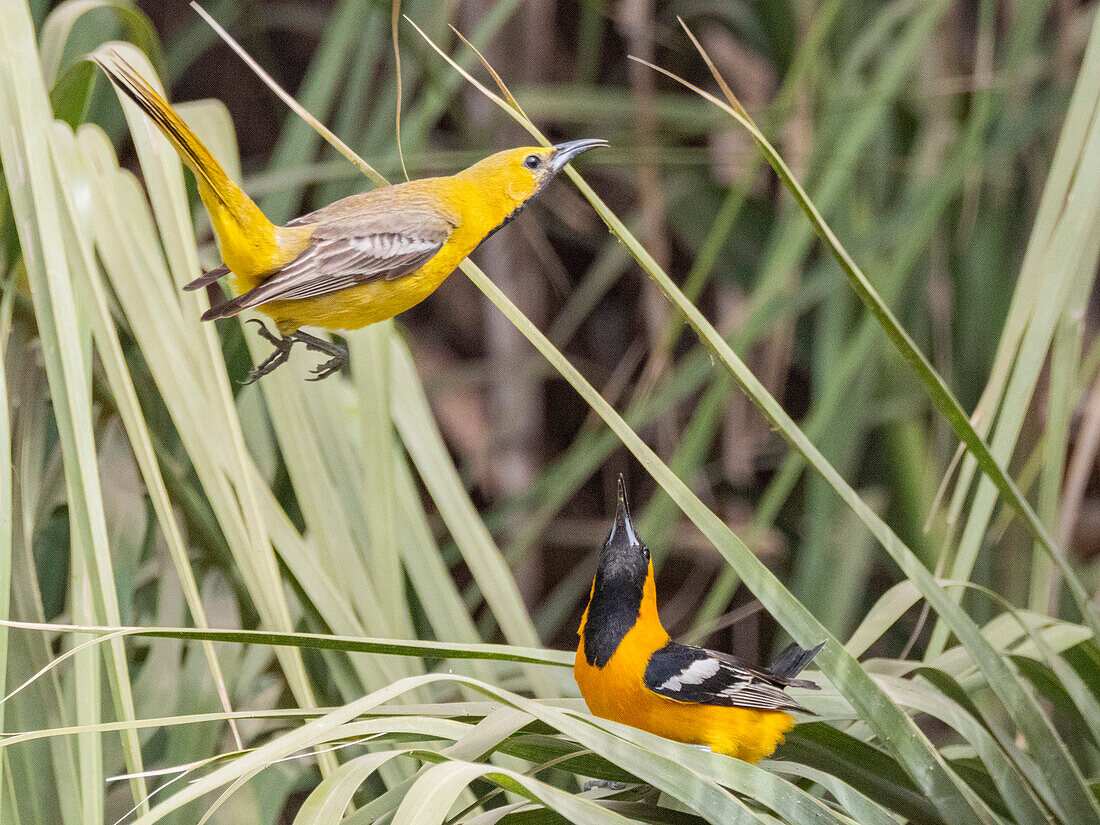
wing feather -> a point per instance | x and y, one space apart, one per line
345 253
706 677
332 264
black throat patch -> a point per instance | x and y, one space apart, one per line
613 610
512 215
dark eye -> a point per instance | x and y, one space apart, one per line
532 161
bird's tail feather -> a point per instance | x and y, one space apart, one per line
128 81
207 278
223 198
791 661
232 307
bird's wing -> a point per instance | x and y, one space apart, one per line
706 677
348 251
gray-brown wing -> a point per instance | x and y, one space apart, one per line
332 264
346 253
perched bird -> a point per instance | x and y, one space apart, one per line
630 671
357 261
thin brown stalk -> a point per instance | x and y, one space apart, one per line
395 18
289 100
504 90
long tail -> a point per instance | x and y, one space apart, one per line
191 150
231 210
790 663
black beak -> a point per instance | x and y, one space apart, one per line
565 152
622 531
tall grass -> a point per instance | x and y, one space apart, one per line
284 602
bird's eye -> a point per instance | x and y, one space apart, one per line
532 161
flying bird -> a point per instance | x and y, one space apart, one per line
360 260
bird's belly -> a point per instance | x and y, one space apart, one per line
744 733
369 303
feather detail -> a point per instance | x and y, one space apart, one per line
707 677
207 278
335 261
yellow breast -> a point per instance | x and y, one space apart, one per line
617 692
369 303
360 306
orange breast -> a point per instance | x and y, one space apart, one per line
617 692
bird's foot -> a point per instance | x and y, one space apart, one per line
329 367
273 361
332 366
283 346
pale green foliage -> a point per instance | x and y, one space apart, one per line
297 508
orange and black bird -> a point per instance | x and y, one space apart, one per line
630 671
357 261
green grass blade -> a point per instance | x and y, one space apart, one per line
350 21
1065 356
932 382
422 439
35 202
432 796
53 41
313 641
7 523
1061 243
370 352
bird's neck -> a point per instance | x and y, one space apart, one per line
487 205
619 604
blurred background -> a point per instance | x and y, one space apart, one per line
925 131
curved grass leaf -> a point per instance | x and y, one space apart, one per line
393 647
59 24
934 385
40 220
6 508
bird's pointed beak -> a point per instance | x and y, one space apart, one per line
622 531
565 152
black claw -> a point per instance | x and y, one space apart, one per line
268 365
330 367
267 334
273 361
283 345
333 365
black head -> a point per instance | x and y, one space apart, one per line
624 555
618 587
